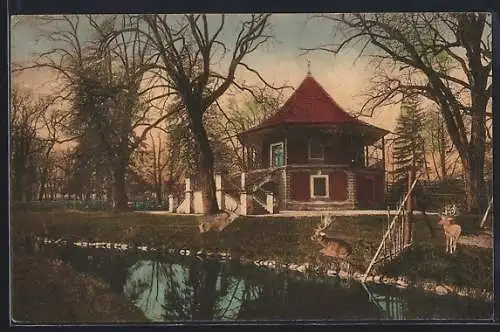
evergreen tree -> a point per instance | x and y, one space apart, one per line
409 152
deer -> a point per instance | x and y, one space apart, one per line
217 222
451 231
332 247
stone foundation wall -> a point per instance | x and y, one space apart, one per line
288 191
319 206
351 189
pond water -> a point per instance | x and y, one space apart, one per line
177 288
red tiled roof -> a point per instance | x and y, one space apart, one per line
310 104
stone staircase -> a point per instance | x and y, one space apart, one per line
246 193
254 183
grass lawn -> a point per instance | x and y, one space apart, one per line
467 267
49 291
285 239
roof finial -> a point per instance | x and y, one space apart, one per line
309 67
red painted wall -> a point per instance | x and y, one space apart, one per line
364 189
370 188
299 186
297 150
337 150
338 186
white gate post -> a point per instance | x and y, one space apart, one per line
270 203
243 176
171 203
219 195
243 203
189 195
243 195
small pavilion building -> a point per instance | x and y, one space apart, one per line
313 155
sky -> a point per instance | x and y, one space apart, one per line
280 62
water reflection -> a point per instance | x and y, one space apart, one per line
213 291
391 307
200 291
184 289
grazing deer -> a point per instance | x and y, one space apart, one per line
217 222
451 231
332 247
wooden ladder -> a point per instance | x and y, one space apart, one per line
393 244
485 216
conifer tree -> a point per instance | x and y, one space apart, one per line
409 151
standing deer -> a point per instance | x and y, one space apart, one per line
332 247
451 231
217 222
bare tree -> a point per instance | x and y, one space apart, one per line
54 126
445 57
26 144
152 162
241 115
112 103
189 50
442 154
50 175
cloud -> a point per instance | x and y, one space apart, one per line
39 81
340 77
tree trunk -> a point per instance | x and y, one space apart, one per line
17 188
210 205
442 149
19 168
474 187
29 190
426 165
409 207
208 293
475 151
472 158
43 184
120 193
159 189
470 31
45 174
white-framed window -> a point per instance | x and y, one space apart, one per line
276 155
316 149
319 186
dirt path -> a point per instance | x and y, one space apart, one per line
483 240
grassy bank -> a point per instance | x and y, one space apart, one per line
280 238
467 267
49 291
284 239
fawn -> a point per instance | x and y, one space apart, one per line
217 222
451 231
332 247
